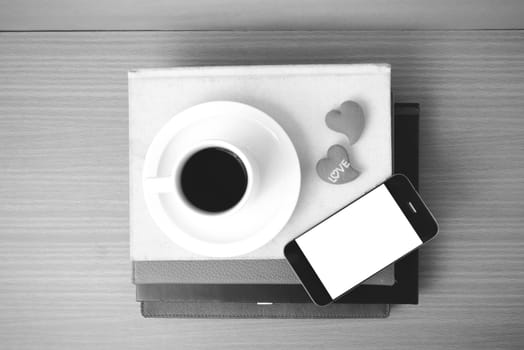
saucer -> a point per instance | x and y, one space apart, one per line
275 179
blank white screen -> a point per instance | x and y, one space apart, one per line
358 241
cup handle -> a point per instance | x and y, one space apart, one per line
159 184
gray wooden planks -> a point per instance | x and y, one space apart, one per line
66 278
260 15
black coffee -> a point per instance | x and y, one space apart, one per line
213 179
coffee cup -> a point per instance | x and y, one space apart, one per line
214 177
221 178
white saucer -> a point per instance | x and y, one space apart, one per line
275 176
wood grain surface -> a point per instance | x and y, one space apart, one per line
65 280
260 15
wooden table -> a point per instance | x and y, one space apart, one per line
65 275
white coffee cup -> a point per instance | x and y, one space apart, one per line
172 183
272 170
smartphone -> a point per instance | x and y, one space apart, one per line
359 240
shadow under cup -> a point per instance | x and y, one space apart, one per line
213 180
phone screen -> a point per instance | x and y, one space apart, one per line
358 241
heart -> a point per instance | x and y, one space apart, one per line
336 168
349 120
